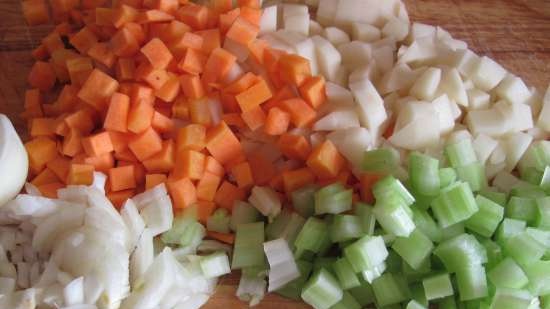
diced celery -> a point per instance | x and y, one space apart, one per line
282 267
422 202
528 190
333 199
413 304
219 221
545 301
286 225
447 176
511 299
524 248
473 174
536 156
303 200
394 262
185 232
522 208
322 290
311 236
345 274
366 217
371 274
447 303
325 262
391 213
243 212
418 295
538 274
363 293
532 176
471 282
380 160
507 274
424 222
413 249
255 271
414 275
215 265
541 236
266 200
486 220
452 231
438 286
461 252
495 196
251 289
248 250
424 174
494 252
542 215
344 228
545 179
347 302
508 228
293 289
388 290
461 153
389 187
455 204
366 253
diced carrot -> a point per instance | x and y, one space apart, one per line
122 178
154 16
235 161
79 70
367 181
217 66
301 114
124 43
250 3
243 175
207 186
294 69
242 31
72 143
101 53
228 194
152 180
156 78
221 6
170 90
98 144
67 98
140 116
124 14
242 83
254 96
277 121
119 140
45 177
42 76
256 50
40 53
234 119
137 32
192 62
211 39
49 190
98 89
191 86
161 123
126 155
139 92
294 146
146 144
325 160
80 174
101 163
253 15
162 162
42 127
191 137
60 167
205 210
199 112
189 164
104 16
211 165
296 179
168 6
389 130
227 19
222 144
118 198
53 42
263 170
35 12
254 117
180 108
183 193
227 238
81 120
139 171
194 15
33 103
157 53
40 150
125 69
313 91
84 40
117 113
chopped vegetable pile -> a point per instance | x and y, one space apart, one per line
350 159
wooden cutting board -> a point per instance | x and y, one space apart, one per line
516 33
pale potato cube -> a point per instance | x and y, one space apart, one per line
425 87
486 73
365 32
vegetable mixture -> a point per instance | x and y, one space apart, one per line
348 160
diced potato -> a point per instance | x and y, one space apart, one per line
355 54
370 106
518 116
452 85
422 51
383 56
315 28
515 146
307 50
478 99
419 30
484 145
342 118
463 60
442 106
417 127
364 32
352 143
396 28
290 9
513 89
338 95
297 23
486 73
487 122
328 57
543 120
426 85
326 11
268 22
336 36
401 77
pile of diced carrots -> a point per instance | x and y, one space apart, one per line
151 91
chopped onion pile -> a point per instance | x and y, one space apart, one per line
79 252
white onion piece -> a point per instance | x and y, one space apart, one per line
73 293
142 257
13 161
158 215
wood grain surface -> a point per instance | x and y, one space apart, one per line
514 33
